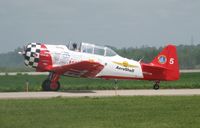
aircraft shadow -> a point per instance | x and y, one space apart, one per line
78 91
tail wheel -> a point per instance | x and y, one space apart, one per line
47 85
156 86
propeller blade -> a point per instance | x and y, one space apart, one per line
23 51
20 53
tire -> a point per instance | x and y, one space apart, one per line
156 86
47 86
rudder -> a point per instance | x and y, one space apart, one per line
168 60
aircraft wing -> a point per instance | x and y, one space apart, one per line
80 69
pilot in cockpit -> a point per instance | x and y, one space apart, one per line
75 48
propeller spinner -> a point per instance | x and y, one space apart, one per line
31 53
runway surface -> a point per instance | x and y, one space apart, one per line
98 93
46 73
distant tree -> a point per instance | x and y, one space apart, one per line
188 55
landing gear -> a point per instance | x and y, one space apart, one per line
47 85
156 86
52 83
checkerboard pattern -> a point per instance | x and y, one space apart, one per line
32 54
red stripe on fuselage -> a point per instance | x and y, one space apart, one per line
119 77
45 61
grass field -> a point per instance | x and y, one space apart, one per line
17 83
112 112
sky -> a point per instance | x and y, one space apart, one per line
119 23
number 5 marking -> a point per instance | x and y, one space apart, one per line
171 61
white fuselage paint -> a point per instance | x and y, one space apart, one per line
61 55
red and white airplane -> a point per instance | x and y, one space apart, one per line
92 61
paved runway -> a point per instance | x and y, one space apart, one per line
46 73
98 93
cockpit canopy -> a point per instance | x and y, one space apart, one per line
92 49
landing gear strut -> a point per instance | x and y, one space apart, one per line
156 86
51 83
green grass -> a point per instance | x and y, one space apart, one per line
17 83
112 112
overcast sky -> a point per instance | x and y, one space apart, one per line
120 23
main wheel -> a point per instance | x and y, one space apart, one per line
156 86
55 86
47 85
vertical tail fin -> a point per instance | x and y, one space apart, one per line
168 60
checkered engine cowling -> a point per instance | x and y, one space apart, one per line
32 55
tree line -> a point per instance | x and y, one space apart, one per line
188 55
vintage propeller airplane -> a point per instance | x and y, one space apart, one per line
92 61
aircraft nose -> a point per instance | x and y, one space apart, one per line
32 55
